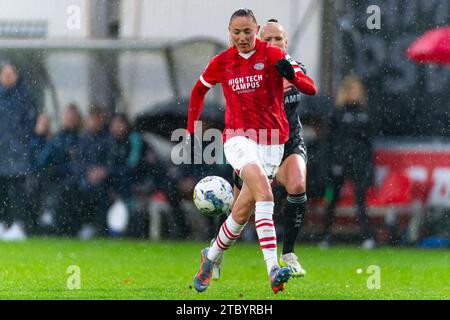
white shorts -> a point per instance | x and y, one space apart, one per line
240 151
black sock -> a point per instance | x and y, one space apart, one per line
293 212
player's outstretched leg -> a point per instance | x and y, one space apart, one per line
203 276
227 236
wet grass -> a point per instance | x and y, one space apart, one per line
126 269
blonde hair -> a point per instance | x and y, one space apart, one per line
273 21
343 93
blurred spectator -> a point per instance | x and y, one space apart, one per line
180 187
95 153
126 163
127 155
350 154
38 181
59 160
40 136
17 119
314 113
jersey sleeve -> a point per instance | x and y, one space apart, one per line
301 81
196 104
211 76
276 54
208 79
295 65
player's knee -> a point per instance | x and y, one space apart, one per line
242 214
296 185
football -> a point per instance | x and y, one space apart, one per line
213 196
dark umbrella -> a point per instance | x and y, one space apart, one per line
166 117
432 47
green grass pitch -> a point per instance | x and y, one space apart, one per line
126 269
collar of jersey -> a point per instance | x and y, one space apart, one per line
248 54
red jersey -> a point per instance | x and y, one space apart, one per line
253 91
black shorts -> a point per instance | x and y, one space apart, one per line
292 146
295 146
237 181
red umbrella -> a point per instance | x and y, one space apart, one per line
432 47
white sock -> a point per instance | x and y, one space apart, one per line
266 232
228 234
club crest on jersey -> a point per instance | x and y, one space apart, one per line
259 66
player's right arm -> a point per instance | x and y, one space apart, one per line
207 80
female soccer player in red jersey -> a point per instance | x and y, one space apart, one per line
251 73
292 172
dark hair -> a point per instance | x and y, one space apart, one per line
243 12
122 116
72 106
97 110
272 20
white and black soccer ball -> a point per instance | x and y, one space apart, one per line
213 196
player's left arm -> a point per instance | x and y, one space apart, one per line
289 69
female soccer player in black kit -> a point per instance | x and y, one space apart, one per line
292 172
